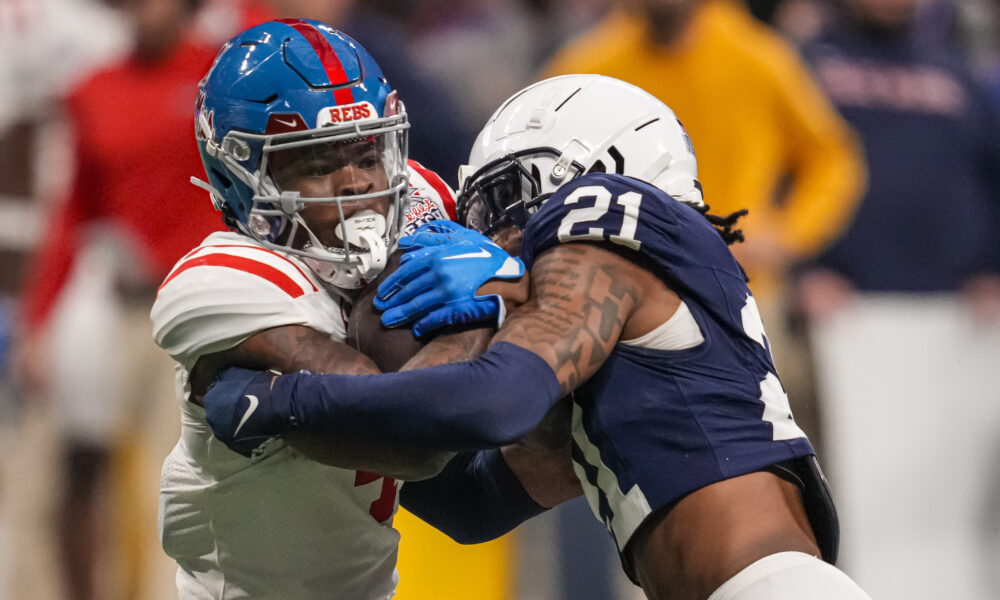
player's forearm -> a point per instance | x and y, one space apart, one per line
546 475
292 348
288 353
485 403
542 460
390 460
284 349
451 348
515 292
476 498
582 297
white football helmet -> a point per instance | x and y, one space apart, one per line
560 128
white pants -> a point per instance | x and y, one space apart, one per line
911 414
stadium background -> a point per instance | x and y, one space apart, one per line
79 369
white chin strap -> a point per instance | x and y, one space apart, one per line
363 230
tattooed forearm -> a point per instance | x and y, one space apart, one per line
451 348
292 348
285 349
583 297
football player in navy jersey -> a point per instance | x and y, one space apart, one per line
638 313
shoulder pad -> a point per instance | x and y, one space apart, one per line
220 294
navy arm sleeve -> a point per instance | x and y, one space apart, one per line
475 499
484 403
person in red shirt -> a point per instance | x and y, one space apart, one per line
134 155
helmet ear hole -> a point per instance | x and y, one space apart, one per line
224 184
222 178
536 175
686 189
229 218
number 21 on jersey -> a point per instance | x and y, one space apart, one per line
625 235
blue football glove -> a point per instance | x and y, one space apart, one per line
438 233
436 282
240 409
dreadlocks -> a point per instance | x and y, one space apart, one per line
724 225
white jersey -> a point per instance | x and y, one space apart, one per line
277 525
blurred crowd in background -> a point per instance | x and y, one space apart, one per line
862 135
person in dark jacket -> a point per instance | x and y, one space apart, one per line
904 309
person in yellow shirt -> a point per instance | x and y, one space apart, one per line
760 119
768 140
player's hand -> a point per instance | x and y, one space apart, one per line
982 296
28 366
238 408
438 233
439 277
822 293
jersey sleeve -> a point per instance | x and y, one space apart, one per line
431 199
219 295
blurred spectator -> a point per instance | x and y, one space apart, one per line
46 46
966 27
801 20
905 313
485 50
753 107
767 138
129 214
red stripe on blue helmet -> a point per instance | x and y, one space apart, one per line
327 56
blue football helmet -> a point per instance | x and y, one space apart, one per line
305 147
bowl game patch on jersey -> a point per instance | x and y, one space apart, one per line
431 199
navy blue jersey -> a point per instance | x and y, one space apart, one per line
653 425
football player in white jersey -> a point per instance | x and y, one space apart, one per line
305 148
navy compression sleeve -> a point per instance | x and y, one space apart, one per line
484 403
476 498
